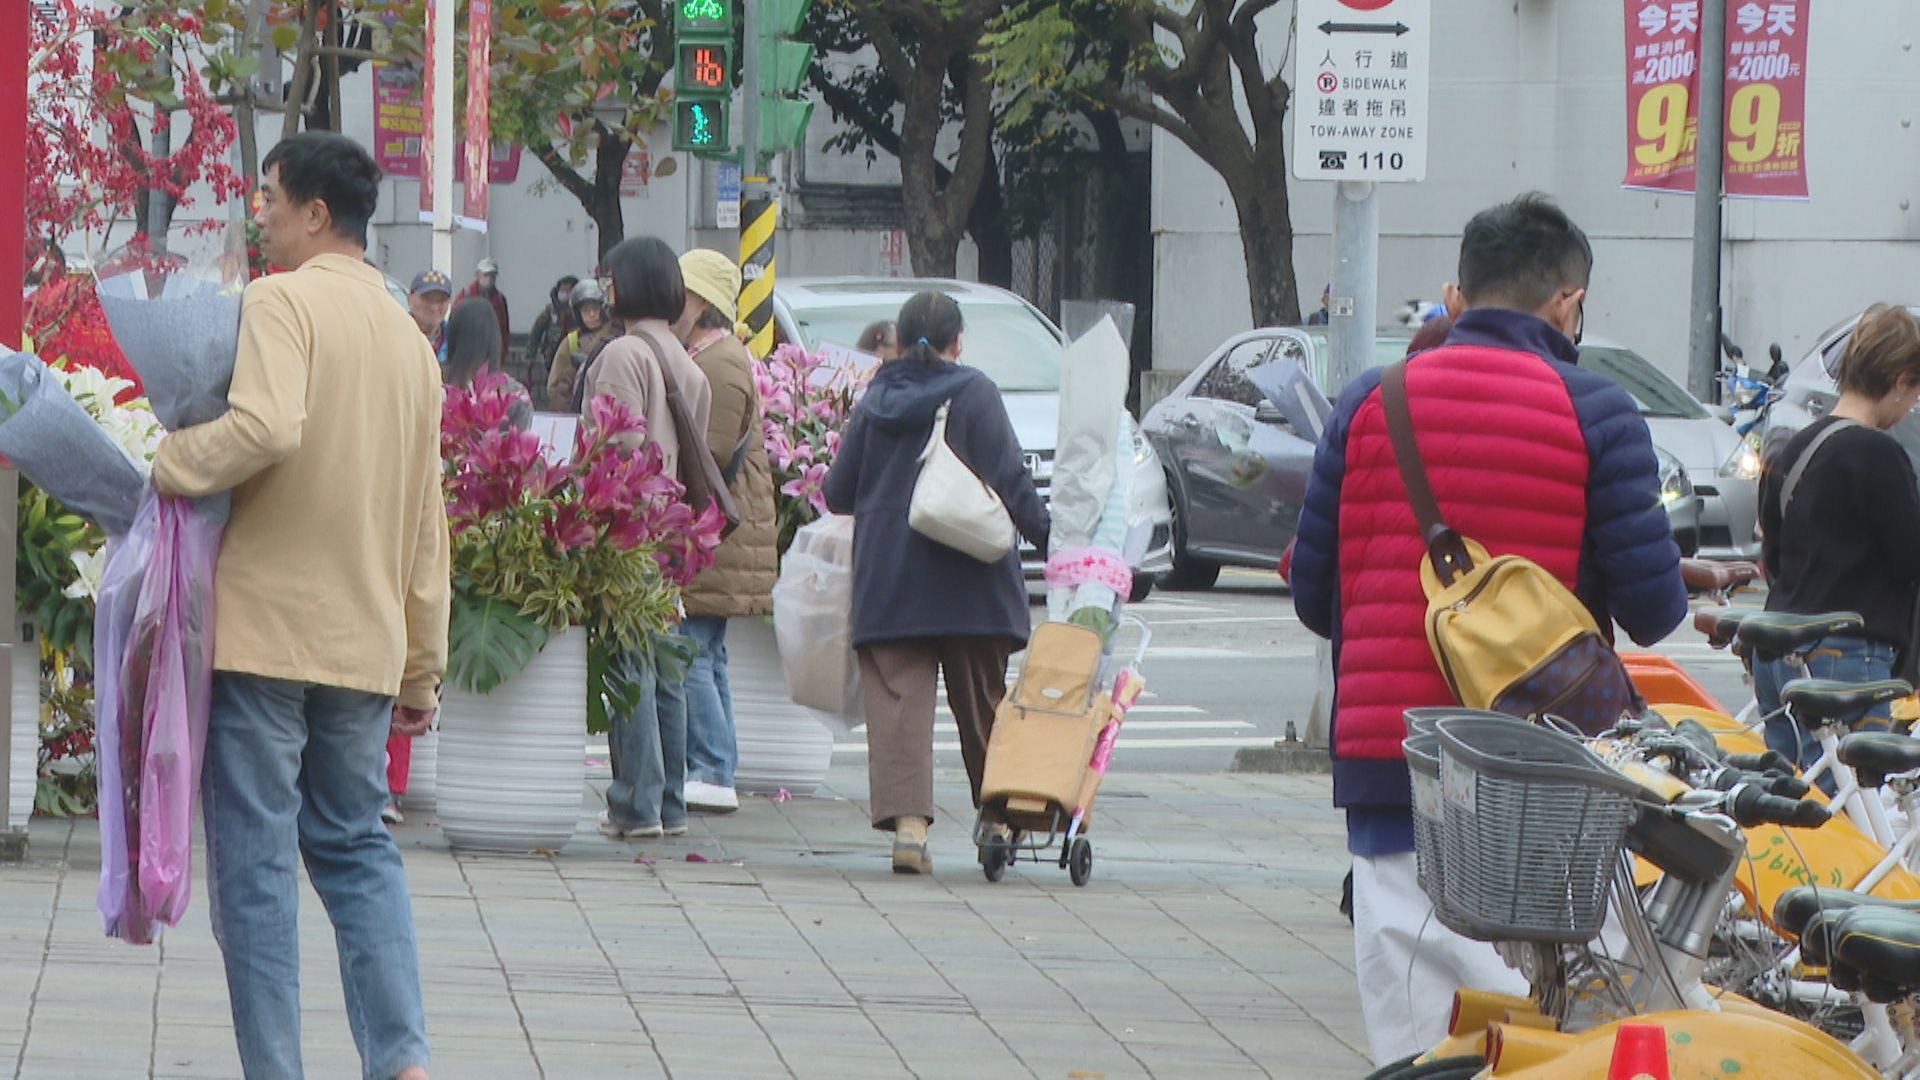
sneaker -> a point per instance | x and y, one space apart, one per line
711 798
674 830
613 831
391 815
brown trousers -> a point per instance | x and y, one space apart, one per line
897 684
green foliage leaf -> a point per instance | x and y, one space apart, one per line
489 642
285 37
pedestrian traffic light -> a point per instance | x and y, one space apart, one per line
703 75
780 119
701 125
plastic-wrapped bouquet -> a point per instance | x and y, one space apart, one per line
177 319
1087 570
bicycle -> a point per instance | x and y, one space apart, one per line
1518 795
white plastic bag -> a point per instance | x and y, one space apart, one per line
813 622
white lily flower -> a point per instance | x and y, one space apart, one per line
92 566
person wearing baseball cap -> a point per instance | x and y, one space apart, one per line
486 282
740 582
428 301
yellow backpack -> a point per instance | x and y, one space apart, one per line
1508 636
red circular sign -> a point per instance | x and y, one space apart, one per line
1329 82
1366 5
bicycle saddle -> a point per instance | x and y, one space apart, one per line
1774 634
1797 907
1883 945
1702 575
1825 701
1878 755
1720 624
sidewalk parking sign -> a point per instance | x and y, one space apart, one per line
727 204
1360 90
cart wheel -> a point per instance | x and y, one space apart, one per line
994 859
1081 866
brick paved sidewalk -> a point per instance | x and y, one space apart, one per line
1206 945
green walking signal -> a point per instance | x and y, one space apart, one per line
703 75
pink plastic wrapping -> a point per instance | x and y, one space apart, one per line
154 641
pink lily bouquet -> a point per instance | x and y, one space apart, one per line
805 401
605 541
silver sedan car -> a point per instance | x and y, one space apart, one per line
1238 465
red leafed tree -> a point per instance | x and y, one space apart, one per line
92 75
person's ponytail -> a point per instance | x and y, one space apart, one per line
929 324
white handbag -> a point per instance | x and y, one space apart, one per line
954 507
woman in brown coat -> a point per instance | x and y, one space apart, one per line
740 582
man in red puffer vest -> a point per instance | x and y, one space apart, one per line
1529 455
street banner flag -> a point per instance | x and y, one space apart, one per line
1766 107
478 147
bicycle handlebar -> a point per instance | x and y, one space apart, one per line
1750 805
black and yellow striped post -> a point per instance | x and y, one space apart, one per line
759 215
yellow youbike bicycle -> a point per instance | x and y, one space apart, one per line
1525 838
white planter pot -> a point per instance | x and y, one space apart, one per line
422 774
781 744
512 764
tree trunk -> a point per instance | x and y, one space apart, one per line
302 69
1266 237
609 219
331 87
933 242
987 224
160 205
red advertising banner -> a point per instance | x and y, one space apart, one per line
1766 104
421 168
400 129
479 68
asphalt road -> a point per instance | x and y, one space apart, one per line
1232 667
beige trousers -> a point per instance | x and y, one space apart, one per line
897 680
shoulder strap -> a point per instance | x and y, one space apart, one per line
1444 546
739 458
659 359
1806 458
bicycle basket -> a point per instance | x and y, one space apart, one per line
1423 769
1421 721
1532 830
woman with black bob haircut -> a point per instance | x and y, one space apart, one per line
921 608
474 346
649 746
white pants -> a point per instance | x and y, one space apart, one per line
1408 964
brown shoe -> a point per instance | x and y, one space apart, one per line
910 854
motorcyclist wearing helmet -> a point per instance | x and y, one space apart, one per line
593 329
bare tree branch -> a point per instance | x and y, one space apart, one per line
976 145
578 186
893 55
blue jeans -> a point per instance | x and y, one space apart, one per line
712 751
294 767
1846 659
649 752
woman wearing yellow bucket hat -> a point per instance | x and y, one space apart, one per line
740 582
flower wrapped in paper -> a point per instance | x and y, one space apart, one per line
63 450
1087 569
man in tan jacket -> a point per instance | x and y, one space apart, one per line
331 596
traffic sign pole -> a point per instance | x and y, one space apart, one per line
1703 358
1355 302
